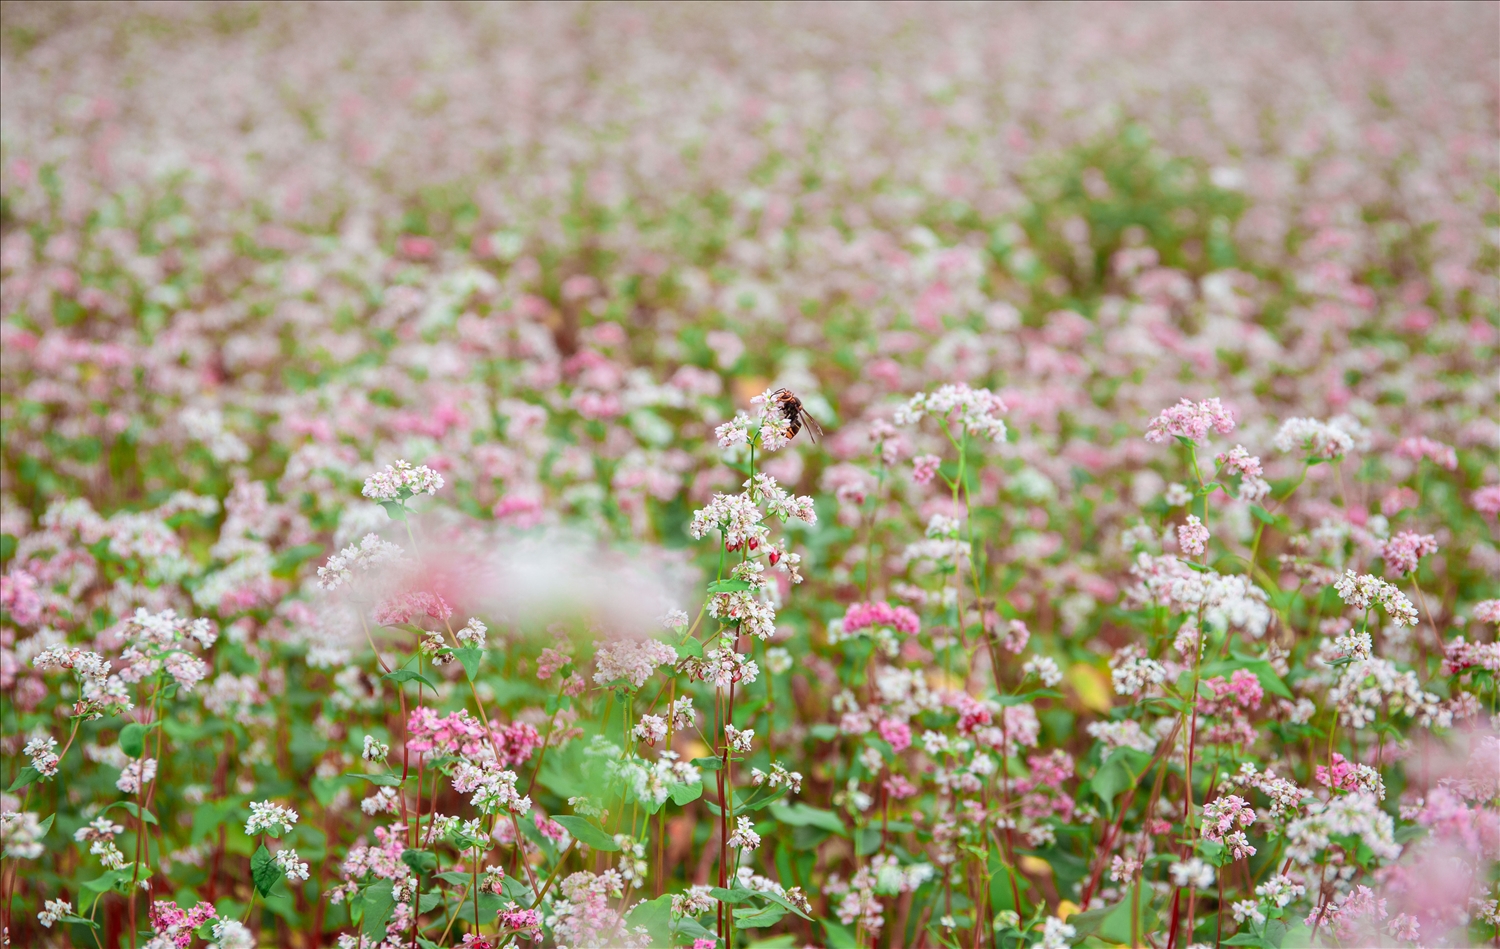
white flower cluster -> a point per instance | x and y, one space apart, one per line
43 754
472 634
374 750
232 934
136 775
651 781
754 616
739 740
401 482
294 868
21 832
1192 873
341 567
633 660
1045 669
1362 591
52 911
1364 684
651 729
1346 815
780 503
744 835
736 516
1122 734
1131 672
1280 890
778 776
976 410
492 789
1227 601
1322 440
101 692
157 641
1286 797
734 432
269 818
722 666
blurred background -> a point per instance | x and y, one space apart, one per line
543 248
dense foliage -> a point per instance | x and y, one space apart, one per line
405 542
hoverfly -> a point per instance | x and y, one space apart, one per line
793 412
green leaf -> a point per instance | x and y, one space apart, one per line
107 882
728 586
763 796
781 901
264 871
28 774
758 917
430 902
684 793
132 809
454 878
133 738
407 675
1269 680
709 764
805 815
656 916
1262 515
324 789
422 861
285 564
1031 696
736 895
1114 776
469 657
379 902
383 780
395 509
837 936
587 832
78 921
44 826
691 647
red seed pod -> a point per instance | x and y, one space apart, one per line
775 556
752 543
732 546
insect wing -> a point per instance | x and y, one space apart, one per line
813 428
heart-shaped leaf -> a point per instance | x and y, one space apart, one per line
379 901
587 832
264 871
133 738
383 780
28 774
469 657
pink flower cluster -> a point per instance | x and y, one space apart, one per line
18 595
1192 536
880 614
924 468
1402 551
176 924
1242 688
1192 421
457 732
515 742
402 607
1341 774
1419 447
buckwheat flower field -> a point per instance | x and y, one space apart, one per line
749 475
